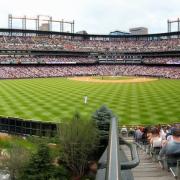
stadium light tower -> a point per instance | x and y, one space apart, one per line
44 18
170 22
37 21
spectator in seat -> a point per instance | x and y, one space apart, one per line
124 131
172 147
131 132
138 135
144 135
155 140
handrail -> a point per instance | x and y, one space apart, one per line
110 165
135 157
113 165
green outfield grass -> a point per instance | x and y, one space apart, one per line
54 99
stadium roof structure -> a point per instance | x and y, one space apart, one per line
116 33
87 36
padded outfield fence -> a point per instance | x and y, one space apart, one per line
27 127
19 126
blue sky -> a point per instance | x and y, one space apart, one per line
98 16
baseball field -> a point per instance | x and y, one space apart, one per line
134 100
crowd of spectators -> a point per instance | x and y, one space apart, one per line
69 59
62 43
162 60
163 141
76 70
46 59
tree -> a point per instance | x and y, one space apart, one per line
15 160
78 139
60 173
39 166
102 118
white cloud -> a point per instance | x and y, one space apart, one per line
98 16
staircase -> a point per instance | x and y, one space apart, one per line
147 169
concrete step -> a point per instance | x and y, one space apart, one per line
150 174
147 169
152 178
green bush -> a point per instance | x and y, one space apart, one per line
78 139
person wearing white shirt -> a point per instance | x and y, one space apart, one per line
85 99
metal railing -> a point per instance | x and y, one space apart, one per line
134 155
113 168
110 164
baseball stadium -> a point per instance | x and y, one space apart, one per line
47 76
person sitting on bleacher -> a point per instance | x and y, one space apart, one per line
171 150
172 147
156 140
124 130
131 132
145 136
138 135
169 136
155 143
168 130
163 133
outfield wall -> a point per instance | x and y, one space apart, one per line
27 127
18 126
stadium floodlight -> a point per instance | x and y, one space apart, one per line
40 18
170 22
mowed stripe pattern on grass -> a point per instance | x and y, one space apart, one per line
54 99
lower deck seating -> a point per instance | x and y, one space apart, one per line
170 163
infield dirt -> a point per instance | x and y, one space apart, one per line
131 80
